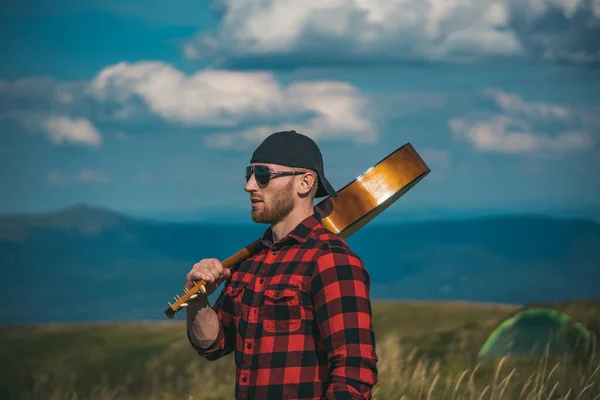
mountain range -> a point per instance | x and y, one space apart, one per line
90 264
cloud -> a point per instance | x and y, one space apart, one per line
44 105
524 127
65 129
330 110
292 32
209 97
57 178
335 107
232 108
514 104
504 134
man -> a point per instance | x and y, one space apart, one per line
297 314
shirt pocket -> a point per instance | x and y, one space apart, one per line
281 310
235 293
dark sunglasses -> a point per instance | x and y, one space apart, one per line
263 174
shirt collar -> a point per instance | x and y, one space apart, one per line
298 235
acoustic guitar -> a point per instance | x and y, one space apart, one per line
356 204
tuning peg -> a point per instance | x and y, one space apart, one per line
170 305
202 289
193 296
185 290
183 305
176 298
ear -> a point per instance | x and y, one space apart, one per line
307 183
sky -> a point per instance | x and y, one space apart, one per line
154 108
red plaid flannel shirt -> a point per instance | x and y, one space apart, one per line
298 316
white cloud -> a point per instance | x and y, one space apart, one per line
513 103
72 130
504 134
518 127
84 176
44 105
336 108
220 98
239 105
209 97
338 31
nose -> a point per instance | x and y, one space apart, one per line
251 185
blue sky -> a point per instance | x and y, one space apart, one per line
154 108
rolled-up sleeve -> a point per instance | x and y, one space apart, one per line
340 288
225 341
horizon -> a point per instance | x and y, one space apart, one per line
390 216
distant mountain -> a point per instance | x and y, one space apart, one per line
86 263
81 218
412 213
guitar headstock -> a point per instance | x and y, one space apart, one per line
183 301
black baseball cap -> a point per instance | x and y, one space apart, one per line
294 149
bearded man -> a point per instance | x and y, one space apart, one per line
297 314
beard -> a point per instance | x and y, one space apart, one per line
275 209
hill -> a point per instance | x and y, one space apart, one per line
89 264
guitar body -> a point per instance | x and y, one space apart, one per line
356 204
372 192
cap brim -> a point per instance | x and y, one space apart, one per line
325 188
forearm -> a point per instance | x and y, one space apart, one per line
343 308
202 323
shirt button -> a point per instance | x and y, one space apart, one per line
261 281
274 252
244 379
249 346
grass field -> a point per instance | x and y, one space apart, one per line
426 351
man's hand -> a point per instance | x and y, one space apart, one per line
202 321
210 270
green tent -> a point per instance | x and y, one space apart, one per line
536 332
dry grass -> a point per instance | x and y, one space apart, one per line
418 360
404 376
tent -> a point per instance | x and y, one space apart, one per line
536 332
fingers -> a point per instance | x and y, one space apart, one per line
226 273
209 270
213 271
211 275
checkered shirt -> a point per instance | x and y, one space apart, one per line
297 316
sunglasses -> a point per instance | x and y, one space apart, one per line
263 174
